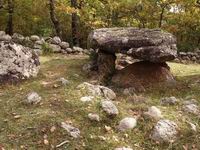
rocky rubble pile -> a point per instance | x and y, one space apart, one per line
184 57
35 42
17 62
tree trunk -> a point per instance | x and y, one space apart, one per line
1 4
9 28
53 18
161 17
74 24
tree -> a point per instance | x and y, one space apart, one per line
74 23
9 27
53 17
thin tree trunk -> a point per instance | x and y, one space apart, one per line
161 17
54 20
74 24
9 28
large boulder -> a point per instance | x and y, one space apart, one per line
17 62
146 44
143 74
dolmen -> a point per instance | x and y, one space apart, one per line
153 47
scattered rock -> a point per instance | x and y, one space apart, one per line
109 108
87 98
135 99
73 131
97 90
5 38
123 148
127 123
94 117
165 131
33 98
55 48
169 101
192 108
193 127
129 91
56 40
64 81
34 38
154 112
64 45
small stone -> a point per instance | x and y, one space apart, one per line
55 48
87 98
17 117
5 38
34 38
64 45
127 124
64 81
69 50
53 128
123 148
109 107
169 101
164 131
94 117
192 108
108 128
46 142
33 98
193 126
73 131
154 112
56 40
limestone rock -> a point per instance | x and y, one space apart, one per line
34 38
192 108
154 113
123 148
169 101
17 63
97 90
127 124
109 107
5 38
147 44
94 117
56 40
33 98
165 131
55 48
73 131
87 98
64 45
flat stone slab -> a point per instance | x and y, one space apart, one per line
146 44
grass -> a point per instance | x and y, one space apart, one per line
63 104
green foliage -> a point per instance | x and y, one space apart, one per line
46 50
180 17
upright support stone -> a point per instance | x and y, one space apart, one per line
106 66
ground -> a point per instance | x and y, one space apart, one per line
25 126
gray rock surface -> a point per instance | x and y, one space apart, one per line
94 117
127 124
165 131
55 48
154 112
109 107
5 38
97 90
33 98
169 101
17 62
73 131
56 40
34 38
146 44
64 45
